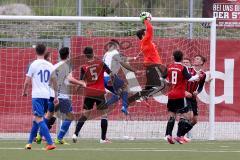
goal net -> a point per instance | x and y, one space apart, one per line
147 120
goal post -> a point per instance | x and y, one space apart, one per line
170 34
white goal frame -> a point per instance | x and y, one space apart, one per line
211 21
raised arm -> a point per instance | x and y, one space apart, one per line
149 30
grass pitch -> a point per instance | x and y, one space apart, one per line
123 150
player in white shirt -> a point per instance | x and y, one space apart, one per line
40 74
64 80
49 117
114 60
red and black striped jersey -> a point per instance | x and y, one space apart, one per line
195 85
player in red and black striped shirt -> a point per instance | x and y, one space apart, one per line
194 88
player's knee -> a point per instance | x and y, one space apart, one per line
38 119
184 120
49 115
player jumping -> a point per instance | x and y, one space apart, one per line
40 73
114 60
93 74
178 76
155 71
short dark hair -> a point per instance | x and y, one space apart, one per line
64 53
178 56
202 58
88 51
115 41
140 33
40 49
47 55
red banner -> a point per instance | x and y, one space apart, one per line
227 12
13 63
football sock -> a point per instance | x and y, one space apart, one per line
170 125
45 132
80 123
104 125
46 121
189 126
64 128
33 132
51 122
125 99
181 127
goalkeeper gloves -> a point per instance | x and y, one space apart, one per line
144 16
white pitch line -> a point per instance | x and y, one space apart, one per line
131 150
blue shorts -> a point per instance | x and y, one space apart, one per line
117 84
51 104
65 105
39 106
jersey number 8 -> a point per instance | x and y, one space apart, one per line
174 77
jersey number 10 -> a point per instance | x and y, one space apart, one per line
44 75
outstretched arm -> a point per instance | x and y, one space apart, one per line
149 30
73 80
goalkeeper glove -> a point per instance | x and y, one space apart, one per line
144 16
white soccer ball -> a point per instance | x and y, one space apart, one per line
147 14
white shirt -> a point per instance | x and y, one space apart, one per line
40 71
63 69
112 59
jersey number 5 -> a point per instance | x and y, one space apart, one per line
174 77
93 73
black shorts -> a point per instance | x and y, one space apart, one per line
192 105
90 101
154 73
177 105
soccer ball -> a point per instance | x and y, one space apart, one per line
147 14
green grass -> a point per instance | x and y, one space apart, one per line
124 150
